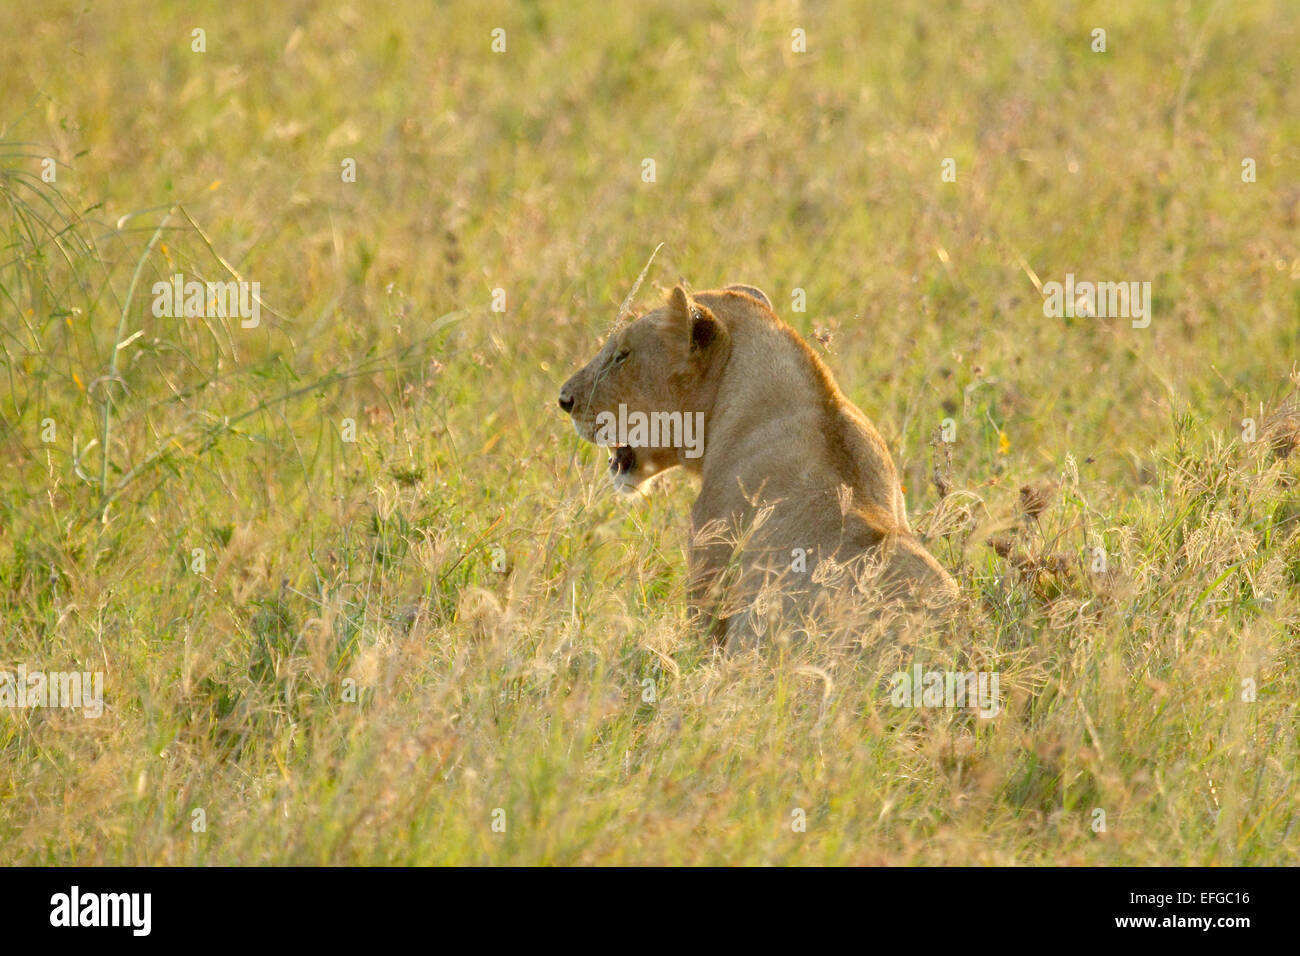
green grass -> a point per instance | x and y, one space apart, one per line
325 564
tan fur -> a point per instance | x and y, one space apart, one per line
788 461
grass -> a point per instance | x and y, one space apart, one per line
368 651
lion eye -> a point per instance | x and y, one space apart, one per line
621 356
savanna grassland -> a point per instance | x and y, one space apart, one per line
358 591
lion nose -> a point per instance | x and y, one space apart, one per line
566 401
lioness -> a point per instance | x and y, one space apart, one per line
796 485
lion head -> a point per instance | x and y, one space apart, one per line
647 393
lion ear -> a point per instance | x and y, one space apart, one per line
679 301
750 290
702 325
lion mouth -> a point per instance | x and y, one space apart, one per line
622 460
